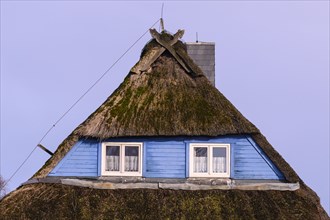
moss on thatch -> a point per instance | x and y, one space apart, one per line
56 201
165 102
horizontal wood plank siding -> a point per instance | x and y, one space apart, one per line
80 161
169 158
165 159
248 161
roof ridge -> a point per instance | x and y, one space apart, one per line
166 42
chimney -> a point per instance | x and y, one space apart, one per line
203 54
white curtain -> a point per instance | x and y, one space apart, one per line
219 164
131 163
112 163
200 164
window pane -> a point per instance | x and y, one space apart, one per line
200 159
219 160
131 159
112 158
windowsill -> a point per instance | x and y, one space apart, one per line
206 175
118 174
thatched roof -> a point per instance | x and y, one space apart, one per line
56 201
165 100
162 98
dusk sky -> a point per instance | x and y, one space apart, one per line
272 63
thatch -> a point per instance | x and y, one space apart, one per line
56 201
164 100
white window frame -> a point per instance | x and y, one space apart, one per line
210 147
121 171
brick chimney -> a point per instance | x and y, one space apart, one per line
203 54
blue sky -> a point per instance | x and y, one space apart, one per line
272 63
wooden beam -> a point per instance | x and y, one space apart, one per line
177 36
169 47
45 149
145 62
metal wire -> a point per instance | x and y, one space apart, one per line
78 100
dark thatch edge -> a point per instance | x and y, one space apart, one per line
57 201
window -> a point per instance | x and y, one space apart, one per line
121 159
209 160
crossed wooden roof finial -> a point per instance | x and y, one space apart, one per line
146 62
168 45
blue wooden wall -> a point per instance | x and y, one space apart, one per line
81 160
250 162
169 158
247 160
165 159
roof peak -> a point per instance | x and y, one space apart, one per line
168 45
165 41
